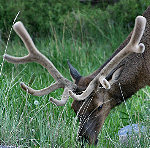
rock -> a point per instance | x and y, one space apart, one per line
130 131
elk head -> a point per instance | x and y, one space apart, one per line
94 96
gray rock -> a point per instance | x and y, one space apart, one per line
130 131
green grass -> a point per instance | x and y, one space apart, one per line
25 124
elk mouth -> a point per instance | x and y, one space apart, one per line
88 131
89 123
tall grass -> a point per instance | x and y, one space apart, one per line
29 121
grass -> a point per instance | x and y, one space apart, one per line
30 121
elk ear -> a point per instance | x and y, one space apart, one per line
116 74
74 73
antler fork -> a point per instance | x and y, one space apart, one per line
35 56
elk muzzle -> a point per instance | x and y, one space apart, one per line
90 126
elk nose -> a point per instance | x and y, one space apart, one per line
96 141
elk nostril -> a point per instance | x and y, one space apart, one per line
96 141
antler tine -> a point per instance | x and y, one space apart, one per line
41 92
132 46
35 56
64 99
17 60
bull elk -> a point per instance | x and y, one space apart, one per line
95 95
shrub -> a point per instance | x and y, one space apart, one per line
75 19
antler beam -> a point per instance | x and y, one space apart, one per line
35 56
132 46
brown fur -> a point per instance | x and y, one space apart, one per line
135 74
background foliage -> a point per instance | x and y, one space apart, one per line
39 16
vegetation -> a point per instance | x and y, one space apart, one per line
87 40
76 17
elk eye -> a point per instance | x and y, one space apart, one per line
100 107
